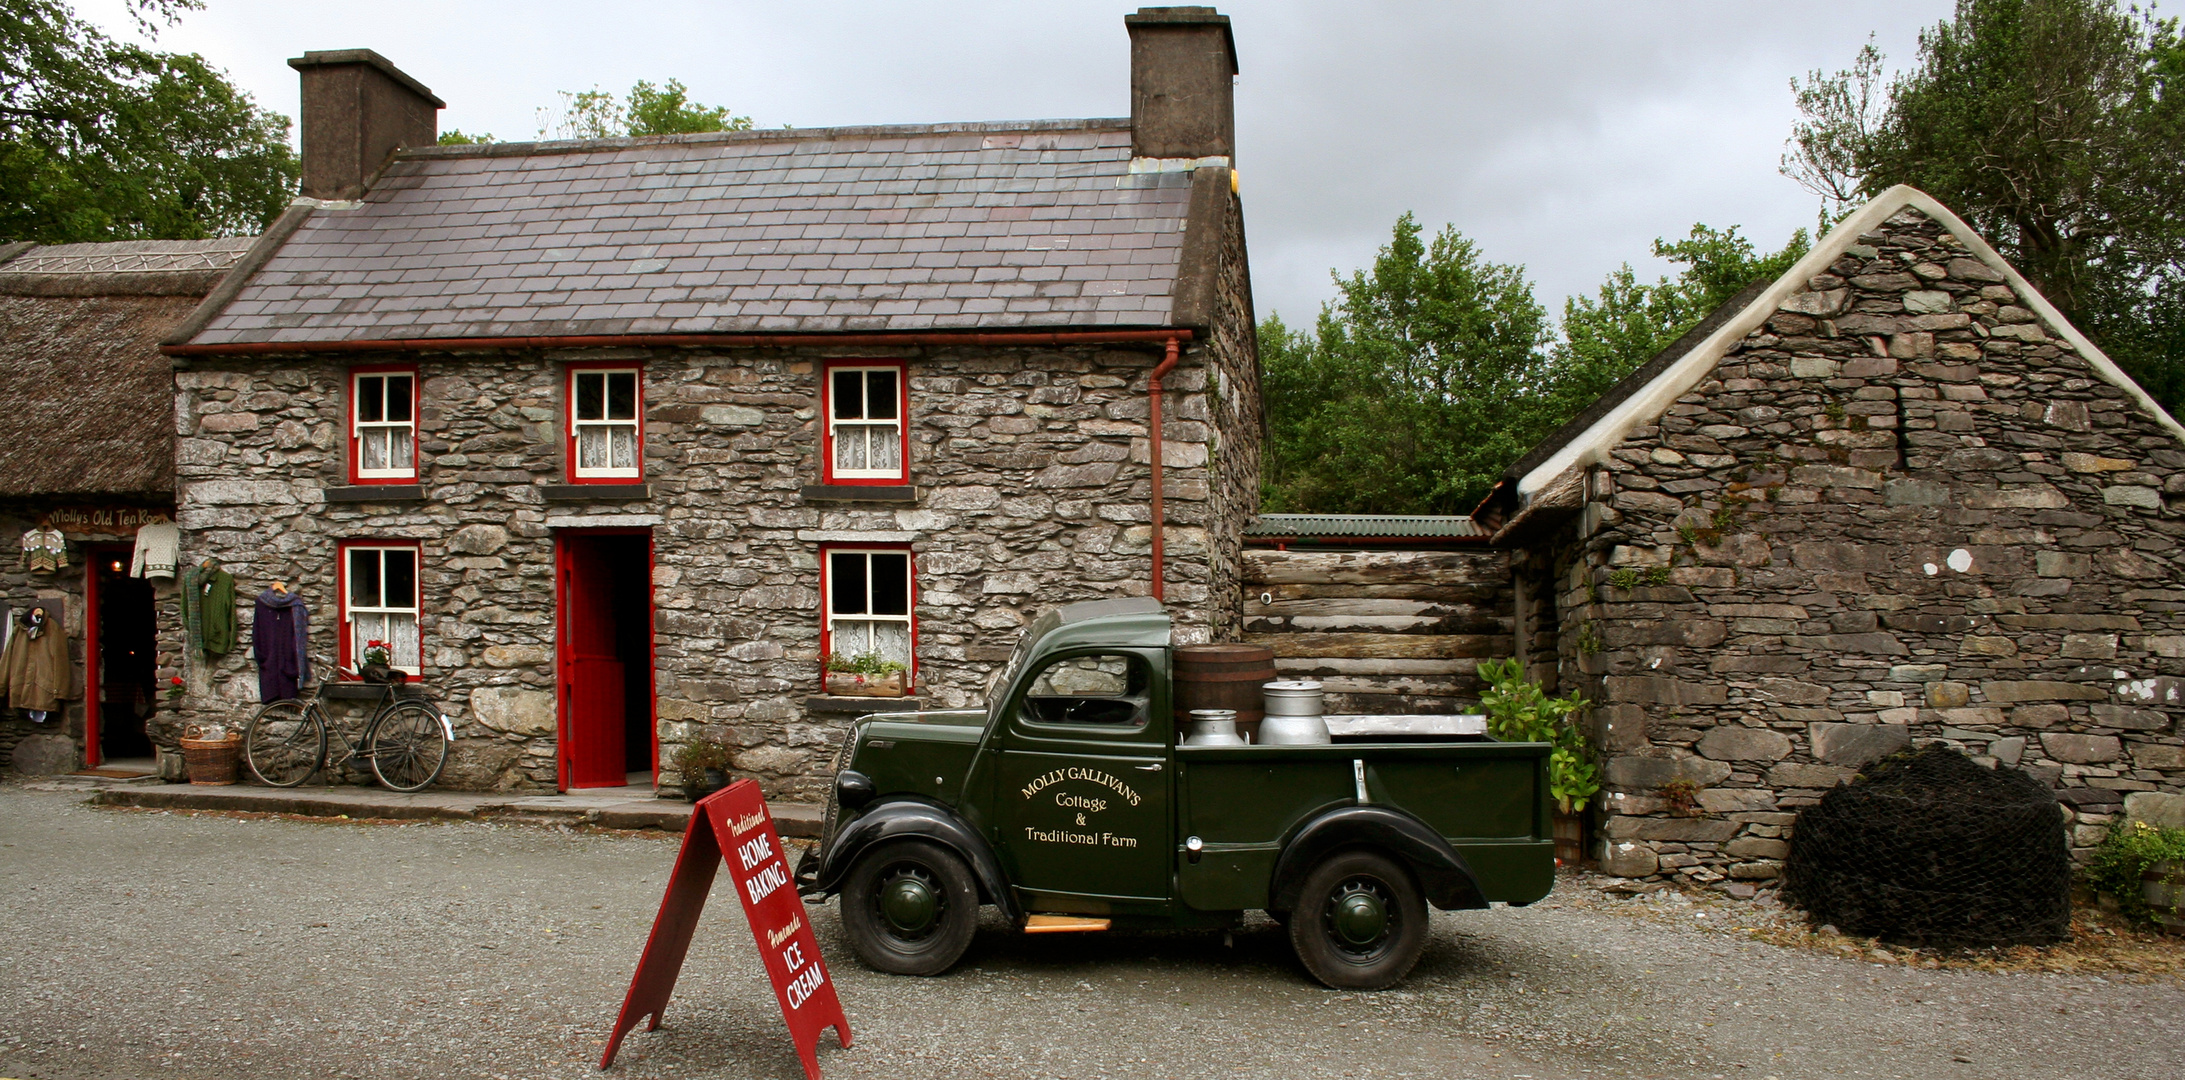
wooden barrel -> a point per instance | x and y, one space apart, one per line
1224 677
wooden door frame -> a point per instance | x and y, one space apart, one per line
95 552
564 764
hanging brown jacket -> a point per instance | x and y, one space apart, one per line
34 670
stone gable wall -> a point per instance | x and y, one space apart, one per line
1030 468
1239 421
1903 510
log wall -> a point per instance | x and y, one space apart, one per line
1385 631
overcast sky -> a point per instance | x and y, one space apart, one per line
1562 136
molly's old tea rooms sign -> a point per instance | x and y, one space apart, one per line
104 520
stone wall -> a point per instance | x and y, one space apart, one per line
1239 420
1903 510
1032 486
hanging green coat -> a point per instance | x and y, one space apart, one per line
34 668
209 613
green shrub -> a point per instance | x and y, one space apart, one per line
2127 852
693 758
1519 711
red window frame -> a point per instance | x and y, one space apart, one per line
827 423
349 657
570 372
826 622
356 456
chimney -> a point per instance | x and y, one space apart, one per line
1183 66
357 109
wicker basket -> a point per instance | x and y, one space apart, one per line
212 761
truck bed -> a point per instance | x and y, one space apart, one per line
1487 798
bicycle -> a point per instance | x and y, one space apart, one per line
406 741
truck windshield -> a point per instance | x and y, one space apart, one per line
1005 676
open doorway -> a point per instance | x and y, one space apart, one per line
604 641
121 660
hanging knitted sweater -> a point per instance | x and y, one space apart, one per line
280 640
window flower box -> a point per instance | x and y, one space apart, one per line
855 684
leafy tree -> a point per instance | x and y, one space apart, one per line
649 110
459 137
105 141
2054 127
1435 370
1421 381
1608 335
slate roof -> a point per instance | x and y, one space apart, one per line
1039 225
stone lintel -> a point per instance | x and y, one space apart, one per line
843 704
362 493
595 492
858 493
603 521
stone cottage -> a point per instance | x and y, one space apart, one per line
1891 497
87 458
614 441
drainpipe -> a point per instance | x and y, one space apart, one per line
1153 390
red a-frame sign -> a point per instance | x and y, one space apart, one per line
732 825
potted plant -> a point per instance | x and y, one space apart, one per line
865 675
378 666
703 765
1518 710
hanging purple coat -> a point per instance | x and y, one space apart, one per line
280 639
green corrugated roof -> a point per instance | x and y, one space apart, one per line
1392 525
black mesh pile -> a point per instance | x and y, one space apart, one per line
1928 848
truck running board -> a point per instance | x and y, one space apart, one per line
1062 924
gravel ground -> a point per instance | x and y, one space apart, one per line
155 944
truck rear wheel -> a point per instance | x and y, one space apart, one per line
1360 922
910 907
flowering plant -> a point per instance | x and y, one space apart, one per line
174 688
378 652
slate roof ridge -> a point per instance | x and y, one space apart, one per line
1395 526
757 135
1570 449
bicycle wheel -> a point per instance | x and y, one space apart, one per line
407 745
285 743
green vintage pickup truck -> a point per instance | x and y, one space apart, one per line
1068 803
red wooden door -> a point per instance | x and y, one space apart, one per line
592 687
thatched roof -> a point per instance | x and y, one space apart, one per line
90 398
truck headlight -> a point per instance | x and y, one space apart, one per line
853 789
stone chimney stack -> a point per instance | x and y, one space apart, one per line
1183 67
357 109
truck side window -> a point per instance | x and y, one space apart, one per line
1108 689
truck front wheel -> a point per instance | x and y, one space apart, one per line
1360 921
910 907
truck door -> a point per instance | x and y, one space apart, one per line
1081 803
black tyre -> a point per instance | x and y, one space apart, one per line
1360 922
910 907
407 745
284 744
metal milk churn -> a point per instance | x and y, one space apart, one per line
1293 715
1213 727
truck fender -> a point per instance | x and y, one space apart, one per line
1442 872
914 817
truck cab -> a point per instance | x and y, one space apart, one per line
1068 803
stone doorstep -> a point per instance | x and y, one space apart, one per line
606 811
